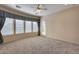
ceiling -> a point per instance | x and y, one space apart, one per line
29 8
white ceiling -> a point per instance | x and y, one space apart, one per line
29 8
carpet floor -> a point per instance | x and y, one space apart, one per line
39 45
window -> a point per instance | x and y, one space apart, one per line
43 30
35 27
19 26
28 26
8 27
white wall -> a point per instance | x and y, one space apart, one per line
63 25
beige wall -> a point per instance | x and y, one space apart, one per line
63 25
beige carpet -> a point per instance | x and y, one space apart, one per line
39 45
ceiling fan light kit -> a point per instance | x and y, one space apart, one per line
40 8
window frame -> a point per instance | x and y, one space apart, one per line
24 27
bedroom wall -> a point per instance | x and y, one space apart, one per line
63 25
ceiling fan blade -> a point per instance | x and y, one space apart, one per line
34 10
39 9
40 6
44 8
36 13
17 6
33 6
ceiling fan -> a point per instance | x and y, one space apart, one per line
39 8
